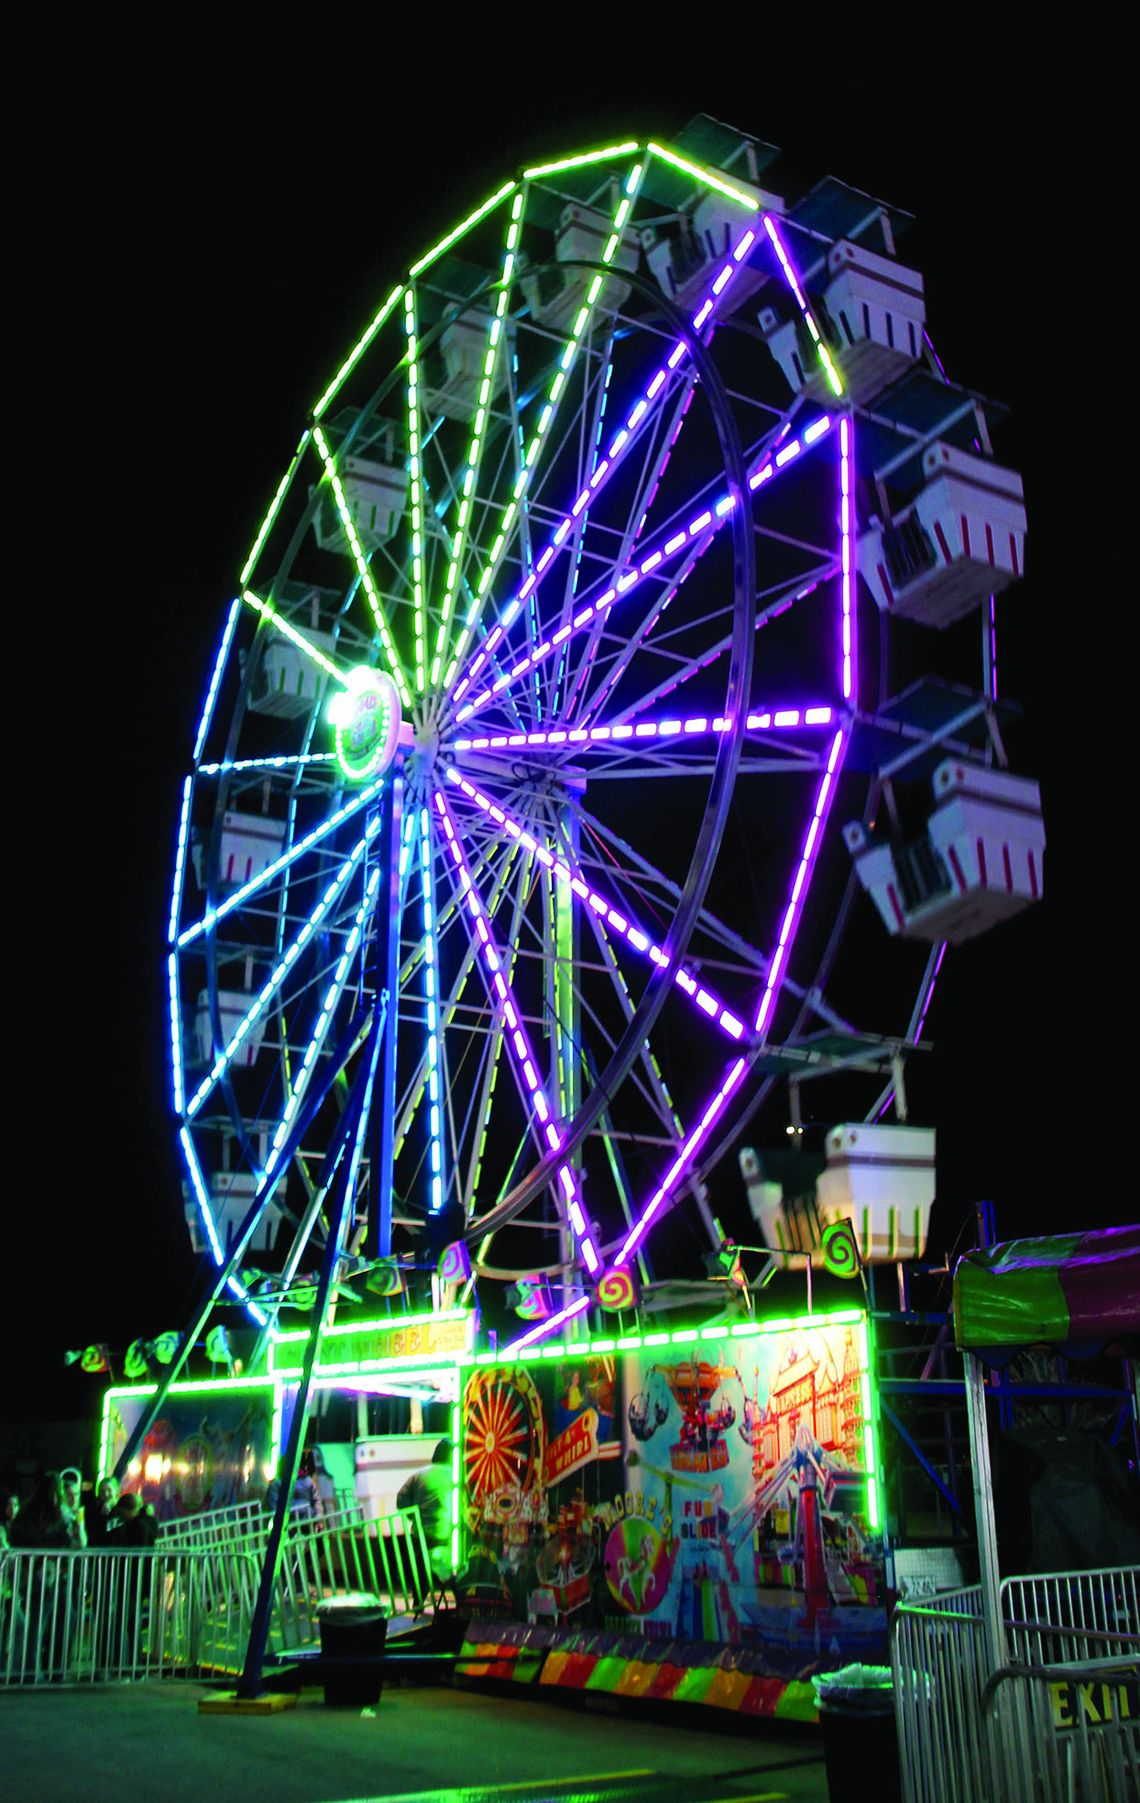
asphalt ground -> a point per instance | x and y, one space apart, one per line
135 1742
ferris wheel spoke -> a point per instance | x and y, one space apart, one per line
451 1003
317 836
651 881
318 1036
485 1096
658 385
568 874
658 436
273 983
384 631
665 1193
500 993
474 460
554 395
415 491
686 537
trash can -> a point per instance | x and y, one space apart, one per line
354 1630
860 1744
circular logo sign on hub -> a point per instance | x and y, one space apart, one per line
366 715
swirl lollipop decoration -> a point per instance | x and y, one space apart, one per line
454 1263
617 1290
841 1249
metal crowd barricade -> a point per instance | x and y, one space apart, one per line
403 1549
99 1616
1059 1724
320 1558
234 1526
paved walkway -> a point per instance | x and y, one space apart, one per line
137 1742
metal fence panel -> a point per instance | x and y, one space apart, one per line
102 1615
1059 1724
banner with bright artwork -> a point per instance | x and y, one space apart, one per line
210 1447
714 1489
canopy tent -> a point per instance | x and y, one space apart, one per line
1078 1293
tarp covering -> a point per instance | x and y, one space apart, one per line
1079 1291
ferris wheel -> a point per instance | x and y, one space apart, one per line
509 875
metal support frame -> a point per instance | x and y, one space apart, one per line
386 956
996 1649
343 1193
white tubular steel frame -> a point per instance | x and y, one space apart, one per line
1060 1722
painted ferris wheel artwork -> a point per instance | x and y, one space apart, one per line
612 674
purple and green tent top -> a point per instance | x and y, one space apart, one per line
1076 1290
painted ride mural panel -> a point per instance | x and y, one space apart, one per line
711 1490
207 1449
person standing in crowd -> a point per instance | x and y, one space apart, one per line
429 1491
102 1521
10 1507
135 1527
71 1485
305 1504
44 1526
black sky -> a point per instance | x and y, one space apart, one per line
199 272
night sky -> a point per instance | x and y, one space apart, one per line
206 265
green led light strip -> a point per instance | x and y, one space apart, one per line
284 626
189 1387
578 162
356 353
478 434
546 416
361 562
686 1336
464 226
274 506
705 175
416 490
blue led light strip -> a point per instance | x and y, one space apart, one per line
180 857
278 763
431 993
210 920
317 1038
274 981
232 1283
215 680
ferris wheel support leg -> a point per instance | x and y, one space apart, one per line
340 1208
386 964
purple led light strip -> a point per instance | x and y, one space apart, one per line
542 1328
695 725
801 884
827 787
705 523
680 1163
847 646
606 467
710 1005
793 283
514 1034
